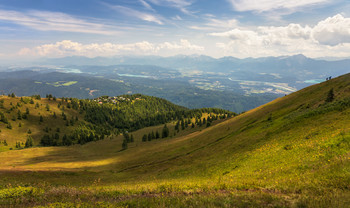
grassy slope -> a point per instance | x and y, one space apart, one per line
300 157
19 134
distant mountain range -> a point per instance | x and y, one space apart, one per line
282 64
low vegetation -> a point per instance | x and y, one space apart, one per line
291 152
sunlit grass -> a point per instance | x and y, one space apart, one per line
282 154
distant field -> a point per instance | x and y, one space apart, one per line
62 83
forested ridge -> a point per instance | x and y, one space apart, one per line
68 121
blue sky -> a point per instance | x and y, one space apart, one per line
241 28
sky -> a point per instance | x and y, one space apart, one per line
32 29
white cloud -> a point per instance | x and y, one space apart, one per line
177 17
333 30
182 5
184 44
140 15
70 48
216 24
329 37
146 5
55 21
269 5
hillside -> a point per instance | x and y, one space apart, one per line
291 152
55 121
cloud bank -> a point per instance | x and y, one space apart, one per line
270 5
330 37
70 48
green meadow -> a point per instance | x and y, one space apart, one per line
291 152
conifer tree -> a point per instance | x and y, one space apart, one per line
144 138
165 131
19 115
29 142
64 116
208 124
330 96
126 137
125 144
182 124
177 126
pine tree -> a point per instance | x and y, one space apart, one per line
64 116
182 124
157 135
208 124
177 126
19 115
9 126
41 119
330 96
29 142
144 138
4 118
71 122
66 140
125 144
165 131
131 138
126 137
